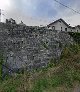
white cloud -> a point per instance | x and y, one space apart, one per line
70 16
24 10
4 4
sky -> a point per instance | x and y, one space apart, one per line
40 12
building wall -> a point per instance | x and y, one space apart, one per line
58 26
77 29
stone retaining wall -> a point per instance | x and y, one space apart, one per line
30 47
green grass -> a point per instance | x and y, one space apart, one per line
40 85
10 84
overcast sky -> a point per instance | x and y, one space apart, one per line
40 12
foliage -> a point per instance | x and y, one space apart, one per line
76 36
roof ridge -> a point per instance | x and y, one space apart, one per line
62 21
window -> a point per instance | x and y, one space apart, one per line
53 27
65 29
61 28
77 30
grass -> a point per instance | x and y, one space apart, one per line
57 77
10 85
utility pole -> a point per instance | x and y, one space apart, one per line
1 14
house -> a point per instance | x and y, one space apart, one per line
77 28
61 25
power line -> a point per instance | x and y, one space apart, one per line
67 6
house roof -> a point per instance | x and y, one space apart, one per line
60 20
78 26
73 27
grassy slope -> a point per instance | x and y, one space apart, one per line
60 77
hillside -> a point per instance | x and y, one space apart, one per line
62 76
36 59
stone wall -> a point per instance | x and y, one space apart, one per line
31 47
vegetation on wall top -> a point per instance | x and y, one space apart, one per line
76 36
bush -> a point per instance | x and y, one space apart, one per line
76 36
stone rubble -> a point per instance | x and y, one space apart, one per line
31 47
